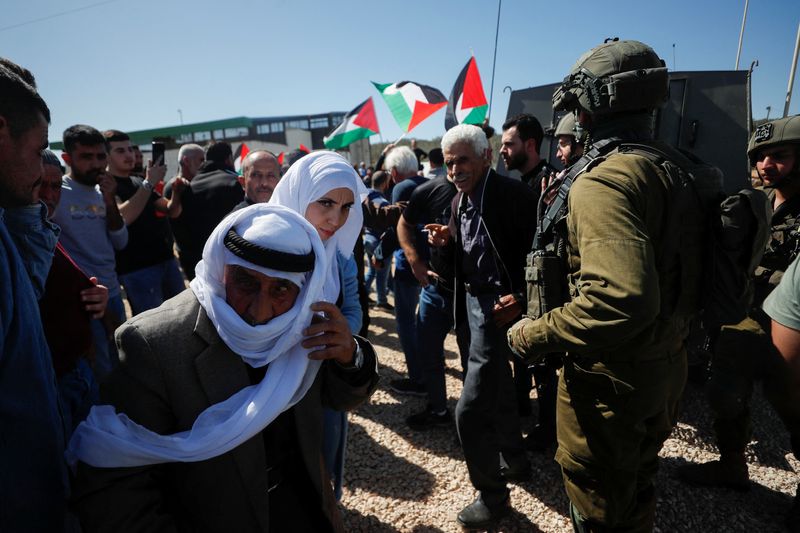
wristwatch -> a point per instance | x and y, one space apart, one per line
357 362
146 185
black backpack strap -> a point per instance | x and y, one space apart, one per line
558 207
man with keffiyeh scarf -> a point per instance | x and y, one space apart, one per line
219 394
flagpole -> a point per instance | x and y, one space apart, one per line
401 137
494 61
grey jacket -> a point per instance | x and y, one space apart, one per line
173 366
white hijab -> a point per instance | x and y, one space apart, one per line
108 439
308 180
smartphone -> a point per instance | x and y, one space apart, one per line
316 318
158 152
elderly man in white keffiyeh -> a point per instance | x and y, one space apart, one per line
214 415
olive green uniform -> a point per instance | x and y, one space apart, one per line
625 367
744 352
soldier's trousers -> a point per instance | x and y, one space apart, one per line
744 354
613 419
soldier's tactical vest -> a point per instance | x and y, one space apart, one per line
782 248
729 233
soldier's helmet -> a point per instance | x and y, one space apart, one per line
568 126
615 77
772 133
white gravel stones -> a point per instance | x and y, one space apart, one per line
398 480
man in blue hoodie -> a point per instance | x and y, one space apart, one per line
33 484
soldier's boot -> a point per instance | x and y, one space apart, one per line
729 471
792 518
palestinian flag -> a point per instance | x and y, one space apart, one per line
410 102
358 124
467 103
237 163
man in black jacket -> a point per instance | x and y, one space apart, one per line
520 150
212 194
492 223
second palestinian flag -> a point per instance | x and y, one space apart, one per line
359 123
238 163
467 103
410 102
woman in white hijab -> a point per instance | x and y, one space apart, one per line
325 189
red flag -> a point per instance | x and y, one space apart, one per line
280 158
304 149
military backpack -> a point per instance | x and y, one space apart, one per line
729 232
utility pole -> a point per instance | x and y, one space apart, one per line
673 56
769 108
791 73
494 61
741 35
180 116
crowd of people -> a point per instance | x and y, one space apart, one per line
218 400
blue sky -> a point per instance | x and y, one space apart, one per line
131 65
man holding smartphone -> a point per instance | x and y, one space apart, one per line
146 266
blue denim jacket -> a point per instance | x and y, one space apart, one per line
35 237
351 307
33 477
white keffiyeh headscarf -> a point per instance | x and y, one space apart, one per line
109 439
308 180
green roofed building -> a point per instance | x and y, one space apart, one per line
276 134
274 130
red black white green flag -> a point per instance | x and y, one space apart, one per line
410 102
467 103
358 124
238 163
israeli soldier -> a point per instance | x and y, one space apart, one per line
543 433
744 353
625 364
570 140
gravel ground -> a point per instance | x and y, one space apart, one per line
400 480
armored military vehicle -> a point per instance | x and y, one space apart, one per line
707 113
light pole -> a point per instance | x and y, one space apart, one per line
769 108
741 35
494 61
673 56
791 74
180 116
